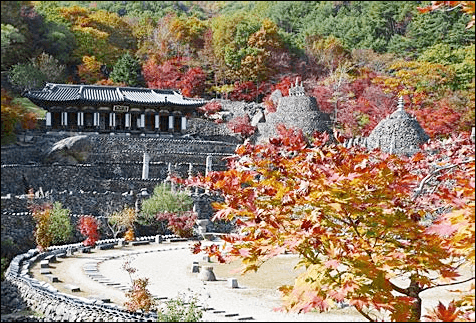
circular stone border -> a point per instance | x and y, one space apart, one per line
42 297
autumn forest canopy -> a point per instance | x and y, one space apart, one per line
355 57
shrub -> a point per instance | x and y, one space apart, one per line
180 310
139 297
88 227
168 209
129 235
122 221
52 224
60 224
180 223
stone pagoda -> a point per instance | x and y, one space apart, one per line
399 133
297 111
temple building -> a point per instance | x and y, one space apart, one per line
103 109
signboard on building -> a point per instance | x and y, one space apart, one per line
120 108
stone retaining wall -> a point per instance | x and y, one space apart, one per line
56 306
100 177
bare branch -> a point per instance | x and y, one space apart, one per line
424 181
448 284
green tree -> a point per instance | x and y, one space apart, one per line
52 224
427 30
53 71
10 35
60 224
461 60
290 15
26 76
20 40
35 74
359 24
58 41
127 70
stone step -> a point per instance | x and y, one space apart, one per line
246 318
51 258
101 298
44 264
85 249
72 288
52 278
105 246
140 242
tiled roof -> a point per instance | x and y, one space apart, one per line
72 94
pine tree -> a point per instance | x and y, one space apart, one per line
127 70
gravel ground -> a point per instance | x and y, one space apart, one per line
168 267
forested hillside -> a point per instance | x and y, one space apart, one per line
355 57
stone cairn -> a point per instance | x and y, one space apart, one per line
398 133
297 111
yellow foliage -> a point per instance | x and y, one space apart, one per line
129 235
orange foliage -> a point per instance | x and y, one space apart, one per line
355 217
129 235
90 70
41 214
139 297
13 113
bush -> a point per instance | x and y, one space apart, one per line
121 221
139 297
52 224
180 310
168 209
60 224
88 227
180 223
5 264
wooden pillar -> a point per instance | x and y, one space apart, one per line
142 121
48 120
171 123
184 123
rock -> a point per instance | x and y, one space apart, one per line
69 151
257 118
207 274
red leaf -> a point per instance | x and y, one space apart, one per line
442 229
443 313
333 263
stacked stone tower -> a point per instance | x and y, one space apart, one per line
297 111
399 133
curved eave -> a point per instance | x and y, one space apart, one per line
64 95
45 104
